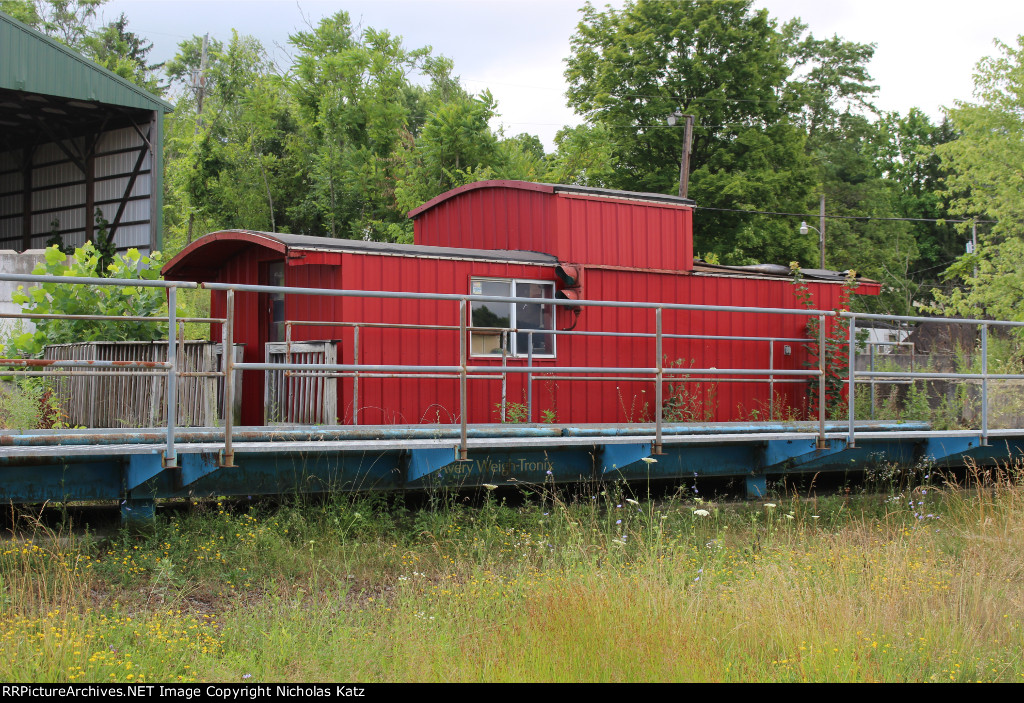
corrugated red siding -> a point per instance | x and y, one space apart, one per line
431 400
491 218
600 231
576 228
390 400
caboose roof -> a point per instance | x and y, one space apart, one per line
554 188
201 257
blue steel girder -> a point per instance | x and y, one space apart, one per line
616 458
96 478
783 455
690 460
140 469
195 466
524 466
955 451
426 461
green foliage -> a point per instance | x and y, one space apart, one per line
757 90
836 351
515 413
686 401
28 403
123 52
72 22
986 180
65 299
343 142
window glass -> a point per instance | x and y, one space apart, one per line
534 316
523 317
275 277
494 315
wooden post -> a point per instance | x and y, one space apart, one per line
684 164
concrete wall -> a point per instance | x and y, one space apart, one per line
13 262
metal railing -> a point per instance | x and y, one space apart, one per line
984 376
465 371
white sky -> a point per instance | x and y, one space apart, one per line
926 49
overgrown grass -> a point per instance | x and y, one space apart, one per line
922 582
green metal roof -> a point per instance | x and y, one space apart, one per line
33 63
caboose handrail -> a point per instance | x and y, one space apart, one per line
465 371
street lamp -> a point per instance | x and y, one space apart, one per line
804 227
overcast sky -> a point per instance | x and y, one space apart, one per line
926 49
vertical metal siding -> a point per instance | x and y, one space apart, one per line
490 218
573 227
388 401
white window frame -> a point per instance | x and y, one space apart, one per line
513 284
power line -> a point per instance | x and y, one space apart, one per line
806 215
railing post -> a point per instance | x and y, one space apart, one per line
289 407
660 375
871 351
355 377
984 385
529 377
851 358
228 359
170 456
771 379
822 443
504 374
463 410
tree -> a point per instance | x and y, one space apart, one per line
224 167
353 111
986 181
583 156
757 90
123 52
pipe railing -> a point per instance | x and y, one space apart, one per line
984 376
465 370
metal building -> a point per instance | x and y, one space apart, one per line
74 139
537 242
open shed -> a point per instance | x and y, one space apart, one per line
74 138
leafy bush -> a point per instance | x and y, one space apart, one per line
64 299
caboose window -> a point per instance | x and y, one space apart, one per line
518 320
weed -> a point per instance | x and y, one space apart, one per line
919 583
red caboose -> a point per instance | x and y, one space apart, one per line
537 241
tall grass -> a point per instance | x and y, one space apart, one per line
920 583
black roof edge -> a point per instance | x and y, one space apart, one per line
625 194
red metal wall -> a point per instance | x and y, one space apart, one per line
250 311
491 218
576 228
600 231
389 400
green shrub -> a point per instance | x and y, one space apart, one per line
119 301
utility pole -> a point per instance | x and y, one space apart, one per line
198 85
974 245
821 229
684 162
684 165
